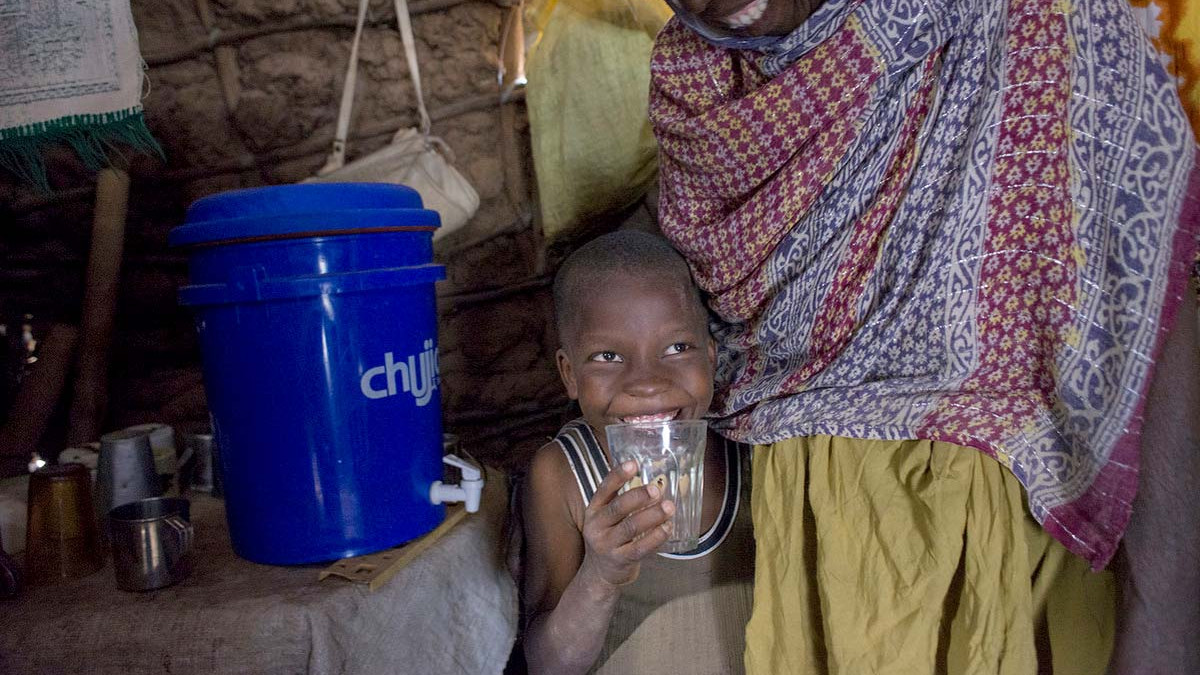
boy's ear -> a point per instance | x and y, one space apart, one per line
712 350
567 373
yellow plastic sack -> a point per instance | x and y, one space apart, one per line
587 93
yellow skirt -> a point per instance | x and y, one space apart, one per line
913 558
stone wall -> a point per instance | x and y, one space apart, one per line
500 390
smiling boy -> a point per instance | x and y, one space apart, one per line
635 347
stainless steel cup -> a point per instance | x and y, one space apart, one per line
166 459
124 472
197 471
10 575
218 483
151 543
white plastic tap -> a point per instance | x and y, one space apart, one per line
468 492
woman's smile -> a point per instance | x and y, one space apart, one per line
751 17
746 16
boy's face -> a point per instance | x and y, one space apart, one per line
639 351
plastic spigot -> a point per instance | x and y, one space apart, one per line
469 491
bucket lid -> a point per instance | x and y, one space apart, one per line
302 209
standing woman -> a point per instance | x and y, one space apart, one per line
946 243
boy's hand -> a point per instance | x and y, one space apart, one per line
620 530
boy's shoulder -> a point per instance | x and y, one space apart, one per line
552 480
552 458
548 459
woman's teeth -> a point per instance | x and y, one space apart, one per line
747 15
657 417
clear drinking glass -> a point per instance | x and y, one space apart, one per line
671 455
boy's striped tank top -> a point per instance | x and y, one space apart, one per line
700 598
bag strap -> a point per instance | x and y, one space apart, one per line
337 157
404 23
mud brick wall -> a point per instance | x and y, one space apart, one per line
500 391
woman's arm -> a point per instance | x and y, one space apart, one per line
576 564
1158 619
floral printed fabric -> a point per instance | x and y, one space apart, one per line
965 221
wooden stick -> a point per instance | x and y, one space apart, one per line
512 76
513 158
229 77
232 37
459 300
99 305
516 226
521 410
227 66
185 404
513 425
39 393
512 50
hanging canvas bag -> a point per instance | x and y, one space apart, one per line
414 157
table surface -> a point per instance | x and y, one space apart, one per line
453 609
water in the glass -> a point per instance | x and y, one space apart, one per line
670 455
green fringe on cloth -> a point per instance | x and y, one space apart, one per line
95 138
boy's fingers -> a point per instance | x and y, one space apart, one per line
640 524
634 500
649 542
627 504
618 476
611 485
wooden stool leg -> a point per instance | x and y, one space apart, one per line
39 394
90 401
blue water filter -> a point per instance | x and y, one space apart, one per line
317 323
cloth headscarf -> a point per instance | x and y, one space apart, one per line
954 220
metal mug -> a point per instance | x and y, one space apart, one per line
124 472
61 541
151 543
218 483
166 458
196 464
10 576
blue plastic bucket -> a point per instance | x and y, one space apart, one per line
317 322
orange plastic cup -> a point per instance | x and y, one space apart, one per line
62 540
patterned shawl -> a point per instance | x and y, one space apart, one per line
965 221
